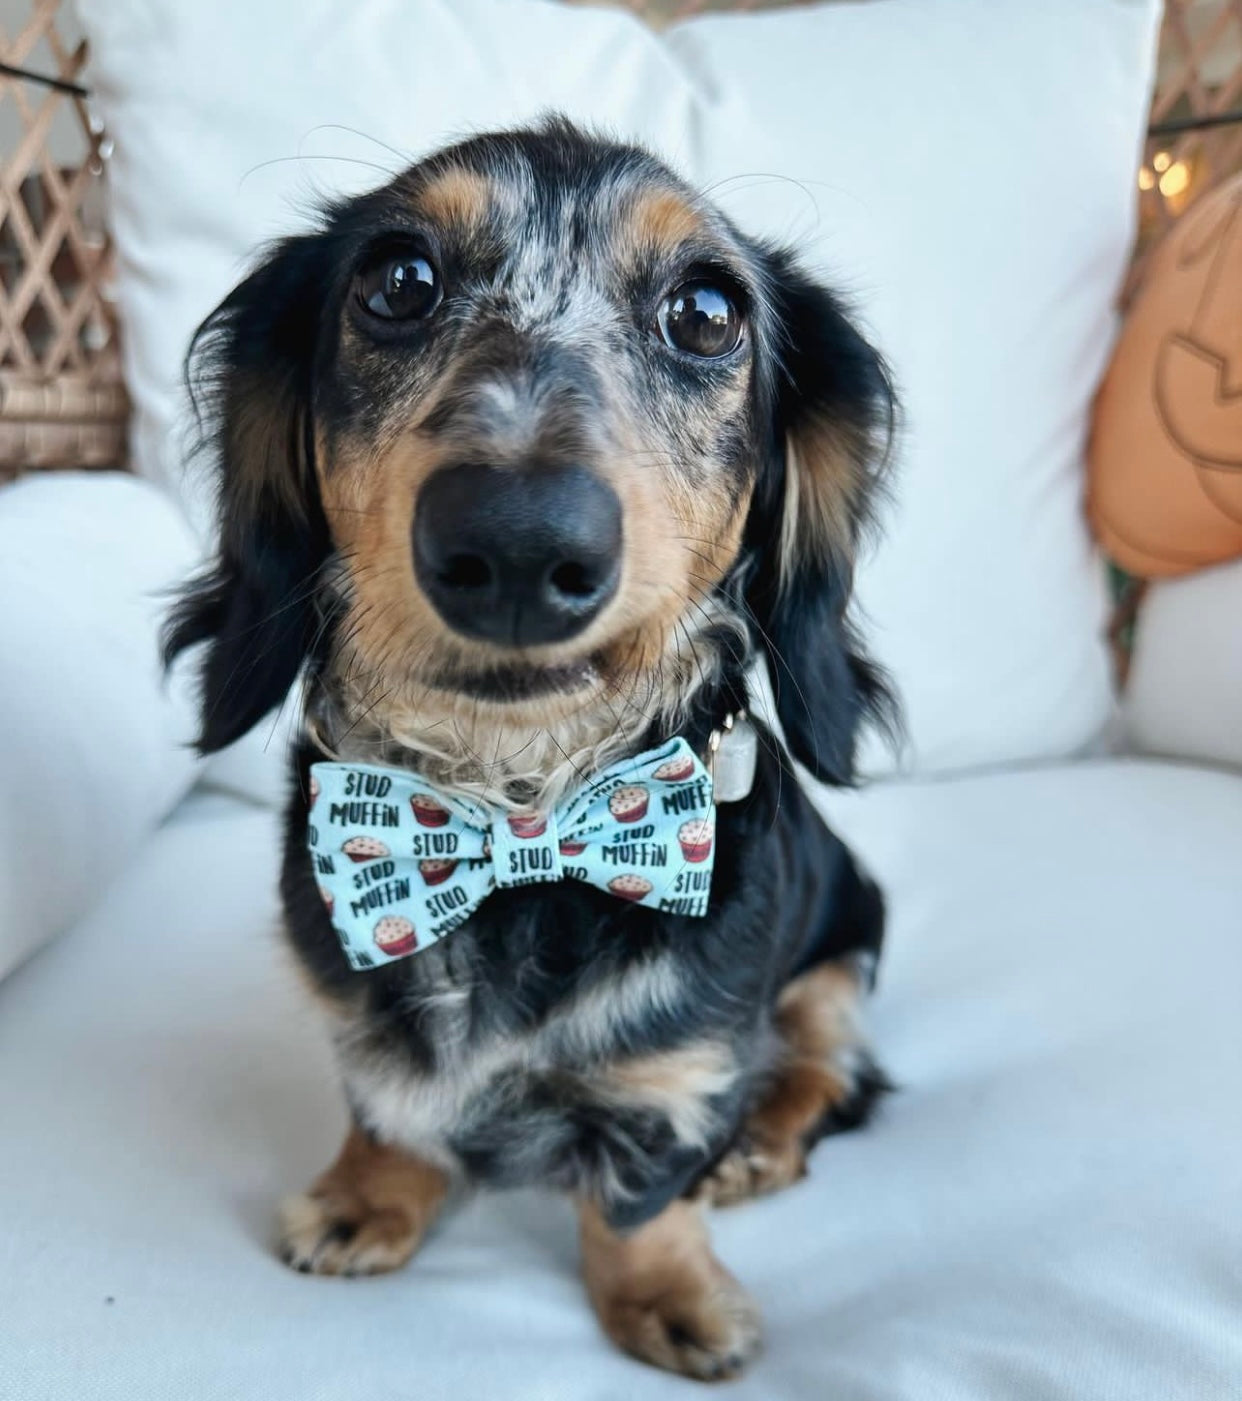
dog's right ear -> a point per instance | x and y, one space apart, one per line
252 375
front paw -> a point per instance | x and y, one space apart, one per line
708 1330
660 1293
367 1214
754 1167
322 1236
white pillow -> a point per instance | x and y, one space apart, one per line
1184 696
965 171
95 742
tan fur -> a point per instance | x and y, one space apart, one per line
662 1295
457 198
366 1215
259 446
678 544
824 469
677 1083
817 1019
659 222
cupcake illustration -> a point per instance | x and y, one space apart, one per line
362 849
428 812
675 770
436 872
395 936
314 790
572 846
696 838
629 804
329 901
630 887
533 824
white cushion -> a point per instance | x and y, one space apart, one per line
94 742
1047 1211
1184 695
968 178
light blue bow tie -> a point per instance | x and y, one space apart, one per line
401 865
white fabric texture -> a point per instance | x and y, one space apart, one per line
909 148
1184 693
94 740
1047 1211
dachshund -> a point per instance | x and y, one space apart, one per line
526 461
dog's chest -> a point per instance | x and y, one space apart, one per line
500 1094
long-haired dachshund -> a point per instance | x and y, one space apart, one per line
524 459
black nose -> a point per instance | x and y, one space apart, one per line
517 558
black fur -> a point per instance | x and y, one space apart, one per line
829 377
786 893
256 607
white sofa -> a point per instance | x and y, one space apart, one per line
1048 1210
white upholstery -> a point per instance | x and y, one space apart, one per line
93 742
1184 695
1048 1211
967 179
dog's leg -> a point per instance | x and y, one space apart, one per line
365 1215
825 1082
661 1294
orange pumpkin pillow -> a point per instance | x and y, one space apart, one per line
1165 473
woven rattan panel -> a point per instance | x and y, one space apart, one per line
62 400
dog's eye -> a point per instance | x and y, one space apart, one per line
399 286
699 319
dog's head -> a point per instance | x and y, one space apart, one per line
517 435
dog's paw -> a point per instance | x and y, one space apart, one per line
323 1236
709 1333
753 1168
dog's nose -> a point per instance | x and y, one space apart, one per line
517 558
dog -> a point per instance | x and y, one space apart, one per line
525 459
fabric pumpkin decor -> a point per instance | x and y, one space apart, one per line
1165 493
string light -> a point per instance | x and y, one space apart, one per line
1161 160
1175 180
1146 179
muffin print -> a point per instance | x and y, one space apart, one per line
630 887
329 901
395 936
314 790
364 849
533 824
436 872
629 804
572 846
675 770
696 838
428 812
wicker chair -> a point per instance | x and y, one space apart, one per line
62 394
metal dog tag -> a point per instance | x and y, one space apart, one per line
733 761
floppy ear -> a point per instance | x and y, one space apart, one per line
251 369
832 413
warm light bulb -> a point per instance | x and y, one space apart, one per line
1147 181
1162 160
1175 180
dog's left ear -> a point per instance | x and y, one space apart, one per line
832 414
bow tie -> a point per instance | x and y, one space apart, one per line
400 865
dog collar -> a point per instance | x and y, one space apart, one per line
400 865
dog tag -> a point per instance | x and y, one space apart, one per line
733 762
